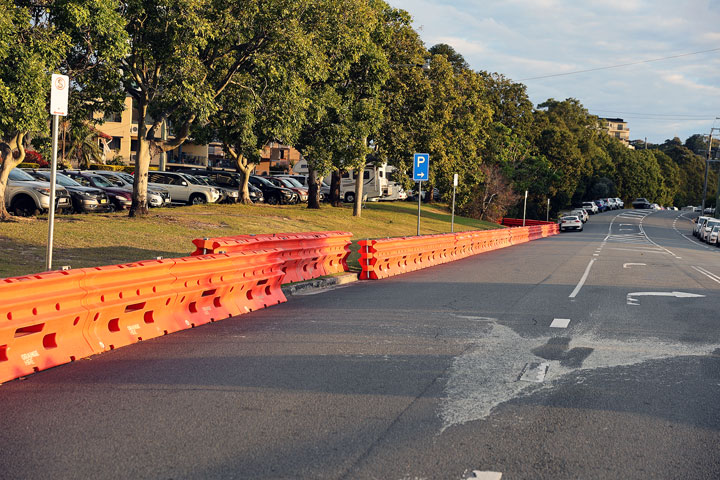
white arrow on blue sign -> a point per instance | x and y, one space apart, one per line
421 167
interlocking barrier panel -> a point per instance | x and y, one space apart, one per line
56 317
304 255
518 222
41 322
384 258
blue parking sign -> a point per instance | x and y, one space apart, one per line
421 167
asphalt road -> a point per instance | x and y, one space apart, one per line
587 355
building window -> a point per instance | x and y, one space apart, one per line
620 127
114 144
113 117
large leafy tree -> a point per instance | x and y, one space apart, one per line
80 38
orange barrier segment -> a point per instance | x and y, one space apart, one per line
393 256
304 256
41 322
129 303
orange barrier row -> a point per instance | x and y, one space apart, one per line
304 255
518 222
394 256
54 318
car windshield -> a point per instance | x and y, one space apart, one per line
60 179
263 181
126 176
115 180
20 176
570 218
294 182
101 182
193 180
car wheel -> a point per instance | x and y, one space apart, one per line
197 199
350 197
24 207
272 200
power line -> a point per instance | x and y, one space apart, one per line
620 65
696 116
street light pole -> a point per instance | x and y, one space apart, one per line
707 168
525 207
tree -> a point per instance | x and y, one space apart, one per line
80 38
490 199
456 59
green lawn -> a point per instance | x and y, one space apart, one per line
108 239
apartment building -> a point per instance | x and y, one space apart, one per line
618 128
120 140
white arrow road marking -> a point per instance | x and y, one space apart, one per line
628 265
478 475
631 300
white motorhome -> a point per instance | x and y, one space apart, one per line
375 182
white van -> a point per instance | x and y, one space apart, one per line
375 182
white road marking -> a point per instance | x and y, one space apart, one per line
641 250
560 323
708 274
628 265
478 475
470 317
632 300
583 279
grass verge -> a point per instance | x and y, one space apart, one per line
108 239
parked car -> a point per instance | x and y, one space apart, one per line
641 203
707 228
591 208
227 195
582 213
698 225
713 237
25 196
602 206
120 198
300 191
612 204
185 188
83 199
619 203
570 222
302 181
273 194
157 195
232 180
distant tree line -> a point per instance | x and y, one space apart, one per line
344 81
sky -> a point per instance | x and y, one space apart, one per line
525 39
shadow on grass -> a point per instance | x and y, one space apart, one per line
18 259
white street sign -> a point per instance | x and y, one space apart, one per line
59 95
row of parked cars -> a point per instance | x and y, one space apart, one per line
575 219
602 205
707 229
84 191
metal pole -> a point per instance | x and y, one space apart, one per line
419 197
707 167
525 207
51 206
452 219
548 211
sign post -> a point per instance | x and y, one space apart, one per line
60 85
525 207
452 219
421 168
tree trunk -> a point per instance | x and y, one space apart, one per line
335 199
313 189
139 205
244 171
359 181
12 154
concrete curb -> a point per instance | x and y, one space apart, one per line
319 283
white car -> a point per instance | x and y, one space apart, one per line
707 228
713 237
590 207
582 213
185 188
570 222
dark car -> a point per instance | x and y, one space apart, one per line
84 199
602 206
641 203
157 196
273 195
232 180
300 191
120 198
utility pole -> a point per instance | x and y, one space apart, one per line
707 168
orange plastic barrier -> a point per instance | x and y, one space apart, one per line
304 256
129 303
41 322
215 287
518 222
393 256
